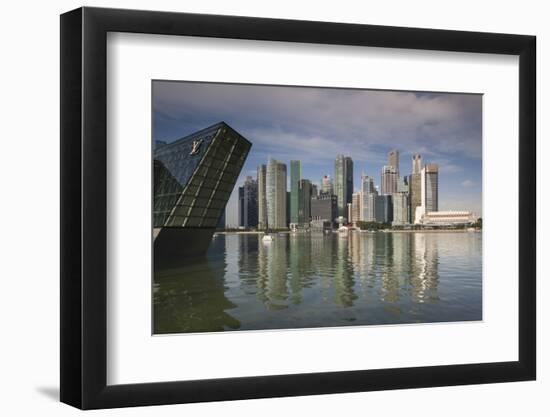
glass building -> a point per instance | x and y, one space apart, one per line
248 203
262 199
295 177
324 207
388 180
430 187
192 181
393 159
343 182
304 202
383 208
276 195
368 193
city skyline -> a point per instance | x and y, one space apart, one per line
293 123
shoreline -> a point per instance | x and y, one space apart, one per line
353 231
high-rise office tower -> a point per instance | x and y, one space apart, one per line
276 194
400 208
388 180
304 202
326 185
355 207
415 187
324 207
403 184
262 200
383 208
343 182
367 202
393 159
248 203
295 177
430 187
416 163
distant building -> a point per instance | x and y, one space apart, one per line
287 208
388 182
343 182
324 208
193 179
393 160
403 185
400 203
276 194
415 186
248 203
442 218
415 194
383 209
262 199
326 185
429 192
295 177
430 187
314 190
355 208
368 192
304 202
416 163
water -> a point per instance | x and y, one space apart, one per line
315 280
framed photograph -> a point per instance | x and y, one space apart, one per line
256 208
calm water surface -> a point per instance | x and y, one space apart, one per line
316 280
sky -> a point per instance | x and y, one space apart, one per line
313 125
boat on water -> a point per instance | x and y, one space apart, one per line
267 238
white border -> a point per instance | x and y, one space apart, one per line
134 356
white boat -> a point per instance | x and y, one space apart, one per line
267 238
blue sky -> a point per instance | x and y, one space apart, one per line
315 124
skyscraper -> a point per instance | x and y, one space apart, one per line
304 202
276 194
262 200
393 160
324 207
326 185
295 177
388 180
248 203
430 187
400 208
343 182
355 214
383 208
429 178
367 202
415 186
416 163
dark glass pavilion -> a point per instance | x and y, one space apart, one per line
193 179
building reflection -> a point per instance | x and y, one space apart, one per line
273 265
192 299
424 277
344 282
309 280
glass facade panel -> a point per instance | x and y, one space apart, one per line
194 177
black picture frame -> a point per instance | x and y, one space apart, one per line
84 193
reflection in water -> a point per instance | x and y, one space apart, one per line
316 280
